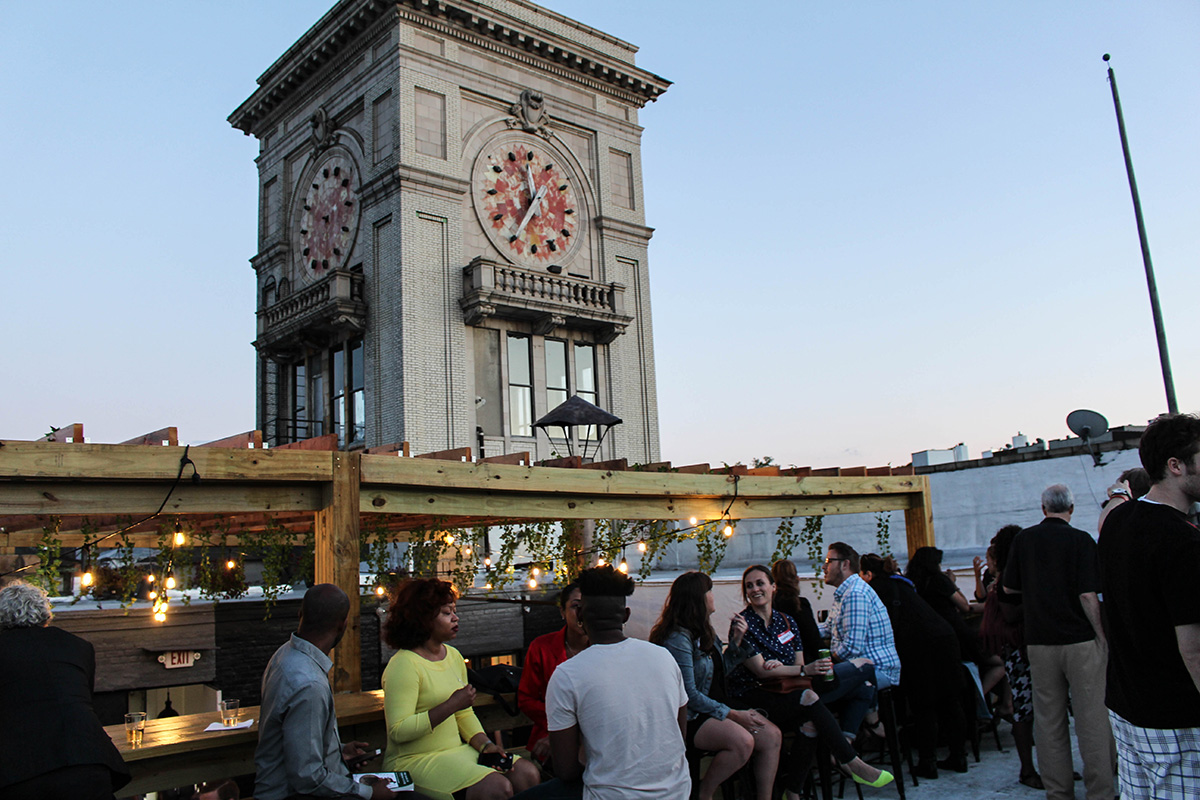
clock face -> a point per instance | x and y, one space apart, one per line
527 202
327 217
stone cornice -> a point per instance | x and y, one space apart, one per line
483 27
621 227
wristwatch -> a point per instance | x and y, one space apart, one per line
1120 490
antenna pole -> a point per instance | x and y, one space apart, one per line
1164 359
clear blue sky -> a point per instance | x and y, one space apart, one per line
880 227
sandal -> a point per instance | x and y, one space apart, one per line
1032 780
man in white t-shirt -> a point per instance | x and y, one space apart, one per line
621 699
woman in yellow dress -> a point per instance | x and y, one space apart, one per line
433 734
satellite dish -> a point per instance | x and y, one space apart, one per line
1087 425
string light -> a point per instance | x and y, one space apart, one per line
152 595
641 547
150 578
487 586
692 521
536 572
86 579
379 591
728 531
600 561
487 562
623 567
180 538
230 564
170 581
533 583
449 538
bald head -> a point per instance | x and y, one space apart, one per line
323 611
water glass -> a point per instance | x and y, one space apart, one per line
135 727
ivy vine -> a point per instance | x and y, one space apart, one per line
49 554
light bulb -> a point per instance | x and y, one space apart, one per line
379 591
468 551
641 547
536 572
623 567
449 539
180 539
487 562
86 579
728 531
533 583
600 562
170 581
487 586
230 564
152 595
160 616
692 521
150 578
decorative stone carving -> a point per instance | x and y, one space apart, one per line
323 133
545 325
530 113
477 313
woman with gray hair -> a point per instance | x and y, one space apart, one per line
53 743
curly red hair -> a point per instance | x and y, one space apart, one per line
414 606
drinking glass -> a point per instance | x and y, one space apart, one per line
135 727
229 713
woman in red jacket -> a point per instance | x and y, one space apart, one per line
545 653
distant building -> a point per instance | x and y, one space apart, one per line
451 230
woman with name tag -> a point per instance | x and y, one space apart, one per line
732 735
772 679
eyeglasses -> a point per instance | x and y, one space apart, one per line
829 561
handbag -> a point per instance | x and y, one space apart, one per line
497 680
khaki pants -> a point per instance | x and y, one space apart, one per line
1075 671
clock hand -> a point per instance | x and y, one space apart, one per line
532 212
529 178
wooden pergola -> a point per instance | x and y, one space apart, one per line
337 492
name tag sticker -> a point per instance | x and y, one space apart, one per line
786 637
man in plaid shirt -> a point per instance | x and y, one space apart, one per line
1149 561
859 626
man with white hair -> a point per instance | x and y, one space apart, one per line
1054 568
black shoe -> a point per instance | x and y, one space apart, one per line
955 763
926 769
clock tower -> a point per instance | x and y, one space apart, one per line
451 237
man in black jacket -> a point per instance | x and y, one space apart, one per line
52 741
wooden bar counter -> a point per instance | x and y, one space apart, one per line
177 751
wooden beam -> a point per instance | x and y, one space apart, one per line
129 462
336 527
492 478
67 434
566 462
37 497
693 469
918 518
456 454
326 443
163 437
413 500
519 459
396 448
617 464
251 440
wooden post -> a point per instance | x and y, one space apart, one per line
918 518
336 530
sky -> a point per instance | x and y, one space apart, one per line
879 227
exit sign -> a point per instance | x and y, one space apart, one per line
174 659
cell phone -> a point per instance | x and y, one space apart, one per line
364 758
502 762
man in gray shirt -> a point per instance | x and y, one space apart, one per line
299 751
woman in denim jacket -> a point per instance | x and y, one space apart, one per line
732 735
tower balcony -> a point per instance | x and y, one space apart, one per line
492 289
313 316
